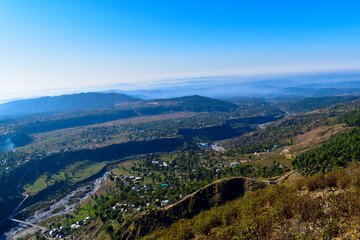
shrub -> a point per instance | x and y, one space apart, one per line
316 182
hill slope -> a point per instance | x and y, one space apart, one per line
64 103
310 104
319 207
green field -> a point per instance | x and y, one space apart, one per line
72 174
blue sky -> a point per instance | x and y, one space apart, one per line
67 44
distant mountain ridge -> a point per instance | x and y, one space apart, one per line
313 103
102 101
54 113
307 85
64 103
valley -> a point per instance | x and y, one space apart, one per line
179 120
120 172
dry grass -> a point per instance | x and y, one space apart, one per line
315 138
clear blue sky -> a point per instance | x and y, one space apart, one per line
47 44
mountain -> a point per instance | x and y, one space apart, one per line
198 103
193 103
66 103
92 108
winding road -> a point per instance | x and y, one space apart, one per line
25 197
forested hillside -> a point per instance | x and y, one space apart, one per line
341 150
351 118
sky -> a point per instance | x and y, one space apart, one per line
51 46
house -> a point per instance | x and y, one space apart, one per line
164 203
233 164
74 226
53 232
113 208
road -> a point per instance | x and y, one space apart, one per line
17 207
29 224
18 190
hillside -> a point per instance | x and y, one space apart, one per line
291 129
338 152
66 103
313 103
319 207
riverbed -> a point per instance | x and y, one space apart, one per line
63 206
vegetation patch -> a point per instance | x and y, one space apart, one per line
351 119
341 150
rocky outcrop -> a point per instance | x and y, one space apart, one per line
214 194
